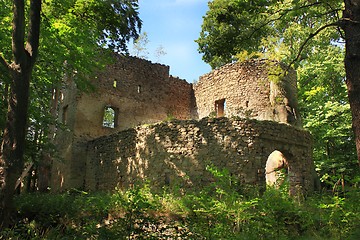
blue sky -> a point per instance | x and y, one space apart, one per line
174 25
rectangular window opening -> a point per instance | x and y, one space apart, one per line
220 106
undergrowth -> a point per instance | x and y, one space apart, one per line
222 210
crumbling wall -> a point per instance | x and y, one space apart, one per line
178 152
142 93
258 89
139 91
67 172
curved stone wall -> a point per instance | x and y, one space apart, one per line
178 152
259 89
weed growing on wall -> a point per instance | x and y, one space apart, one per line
275 72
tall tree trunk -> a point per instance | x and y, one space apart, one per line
351 16
13 144
14 140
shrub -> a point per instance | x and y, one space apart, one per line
222 210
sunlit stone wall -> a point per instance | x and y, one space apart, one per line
258 89
177 153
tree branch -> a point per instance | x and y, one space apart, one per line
334 24
18 31
4 62
282 13
6 76
32 44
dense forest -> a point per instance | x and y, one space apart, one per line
44 41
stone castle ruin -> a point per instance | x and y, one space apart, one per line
143 124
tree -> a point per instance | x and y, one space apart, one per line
24 57
159 52
72 39
351 26
326 114
288 30
140 46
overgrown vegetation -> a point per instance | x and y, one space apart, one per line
222 210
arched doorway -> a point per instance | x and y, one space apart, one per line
276 169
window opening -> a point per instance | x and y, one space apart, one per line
64 114
110 117
220 106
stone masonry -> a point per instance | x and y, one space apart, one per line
244 90
166 131
178 152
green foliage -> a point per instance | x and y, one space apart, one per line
212 114
326 114
119 21
275 72
226 30
169 117
109 117
277 30
222 210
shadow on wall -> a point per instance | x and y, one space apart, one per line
177 153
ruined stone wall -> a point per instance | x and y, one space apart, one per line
141 91
253 89
67 143
177 153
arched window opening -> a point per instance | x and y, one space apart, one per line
276 169
110 117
